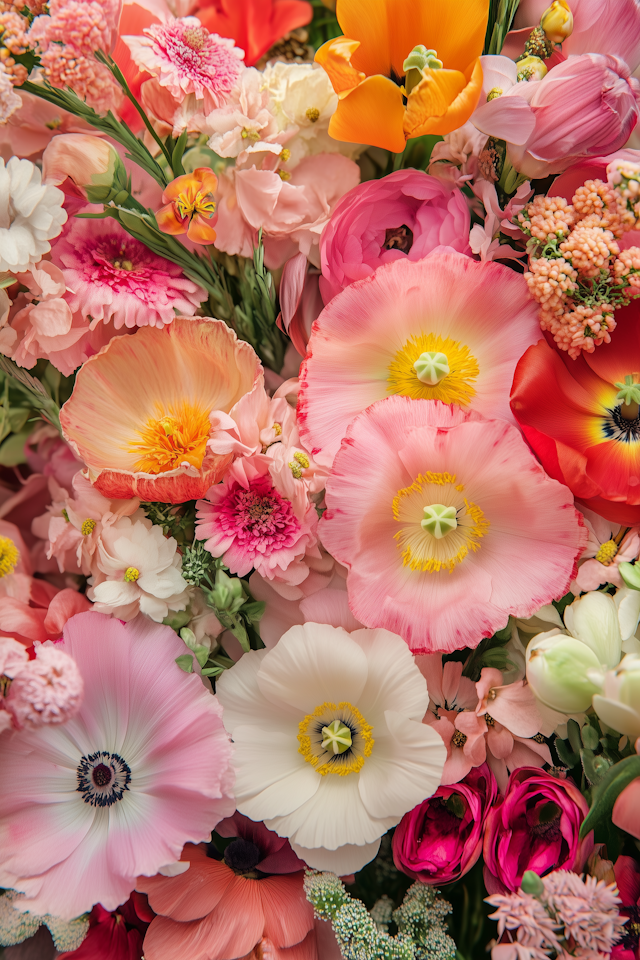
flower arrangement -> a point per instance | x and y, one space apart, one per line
319 480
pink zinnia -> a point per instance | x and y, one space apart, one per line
116 792
186 59
447 524
253 524
116 278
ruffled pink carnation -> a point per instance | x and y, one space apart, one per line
48 689
186 59
112 277
254 524
407 214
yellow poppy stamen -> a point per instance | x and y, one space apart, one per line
177 436
335 739
431 367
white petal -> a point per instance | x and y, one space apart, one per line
311 664
272 777
242 699
403 769
394 682
344 860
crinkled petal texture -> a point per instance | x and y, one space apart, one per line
64 851
520 534
175 375
567 411
333 821
364 344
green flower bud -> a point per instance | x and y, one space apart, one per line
557 668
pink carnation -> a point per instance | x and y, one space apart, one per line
253 521
407 214
112 277
48 689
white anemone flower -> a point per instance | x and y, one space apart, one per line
330 750
139 571
31 214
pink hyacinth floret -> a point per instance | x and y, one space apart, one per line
48 689
186 58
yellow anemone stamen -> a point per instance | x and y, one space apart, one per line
177 436
453 387
131 574
332 725
607 552
440 526
9 556
88 526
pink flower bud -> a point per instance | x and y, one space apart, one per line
91 163
48 689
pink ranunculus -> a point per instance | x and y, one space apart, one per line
441 839
535 827
407 214
586 106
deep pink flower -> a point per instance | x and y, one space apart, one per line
112 277
586 106
441 839
536 826
627 874
115 935
406 214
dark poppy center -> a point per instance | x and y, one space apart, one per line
617 427
242 855
101 775
398 238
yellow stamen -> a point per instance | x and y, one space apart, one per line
312 114
187 205
177 436
302 459
323 725
607 552
131 574
284 175
455 387
88 526
285 155
9 556
277 429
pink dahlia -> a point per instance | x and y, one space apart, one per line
442 328
116 792
112 277
186 59
257 519
447 524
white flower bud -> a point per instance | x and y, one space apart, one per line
557 668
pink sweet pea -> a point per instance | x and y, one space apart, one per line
584 107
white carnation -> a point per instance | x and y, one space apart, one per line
31 214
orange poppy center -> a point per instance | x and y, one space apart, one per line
178 436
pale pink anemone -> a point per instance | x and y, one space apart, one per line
476 317
483 722
139 413
113 278
186 58
115 793
447 524
608 546
259 518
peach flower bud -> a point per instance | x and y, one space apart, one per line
90 162
557 21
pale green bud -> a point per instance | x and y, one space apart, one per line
557 668
593 619
618 703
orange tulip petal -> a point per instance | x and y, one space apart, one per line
455 31
168 222
372 113
335 57
442 102
201 229
368 21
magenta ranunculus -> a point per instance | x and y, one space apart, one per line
536 826
441 839
407 214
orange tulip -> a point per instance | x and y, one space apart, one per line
190 206
390 85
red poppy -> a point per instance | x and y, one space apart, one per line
581 432
117 935
255 25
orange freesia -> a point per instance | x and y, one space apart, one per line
404 68
190 206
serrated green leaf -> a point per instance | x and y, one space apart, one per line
566 755
185 662
607 792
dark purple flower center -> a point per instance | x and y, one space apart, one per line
242 855
631 933
544 821
101 775
398 238
103 778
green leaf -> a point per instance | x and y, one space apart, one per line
254 611
201 654
607 792
567 757
12 450
594 767
185 662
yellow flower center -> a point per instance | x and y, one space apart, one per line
179 436
9 556
439 525
431 367
189 203
335 738
131 574
195 37
88 526
607 552
312 114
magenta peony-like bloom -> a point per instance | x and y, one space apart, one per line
535 826
112 277
406 214
88 806
441 839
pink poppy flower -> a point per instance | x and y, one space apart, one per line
406 214
446 523
139 412
388 334
115 793
258 518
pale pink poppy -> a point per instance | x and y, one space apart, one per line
446 523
